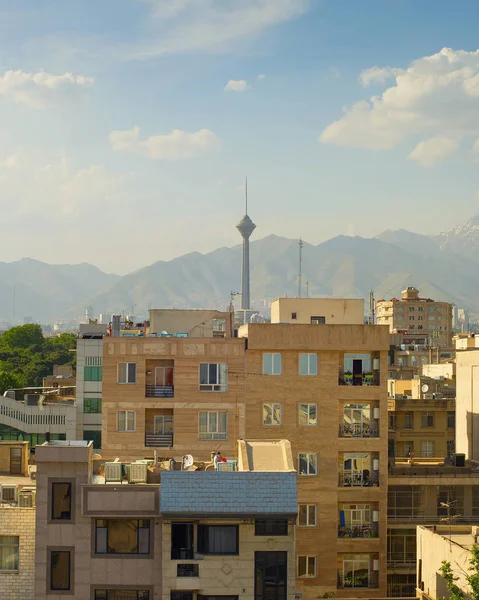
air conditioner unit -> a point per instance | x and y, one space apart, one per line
27 499
8 493
137 473
113 472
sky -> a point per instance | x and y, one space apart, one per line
127 127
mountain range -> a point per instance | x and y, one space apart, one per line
442 266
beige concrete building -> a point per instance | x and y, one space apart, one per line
324 389
415 315
105 533
438 544
467 403
318 311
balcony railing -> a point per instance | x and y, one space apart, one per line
359 479
402 590
357 581
159 391
363 379
361 430
403 559
359 531
159 440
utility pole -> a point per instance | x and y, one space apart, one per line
300 266
449 518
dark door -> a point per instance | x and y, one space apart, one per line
15 461
182 541
357 372
271 575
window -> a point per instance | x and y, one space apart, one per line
307 515
182 538
411 309
61 501
451 419
271 414
408 448
427 449
92 373
270 527
419 326
122 536
126 420
187 570
92 405
308 364
475 500
218 539
420 318
213 377
271 363
420 308
126 373
308 414
181 595
122 594
306 566
411 326
94 436
60 570
318 320
293 316
450 447
212 426
408 420
308 464
271 575
427 419
411 318
9 552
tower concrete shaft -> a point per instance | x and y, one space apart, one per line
246 228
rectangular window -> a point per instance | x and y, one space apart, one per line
307 515
308 364
187 570
427 448
181 595
318 320
451 419
408 420
450 447
294 316
126 373
9 552
427 419
60 570
271 575
271 527
92 405
411 308
218 539
122 594
308 414
213 377
93 436
121 536
306 566
308 464
92 373
272 363
126 420
61 501
271 414
212 426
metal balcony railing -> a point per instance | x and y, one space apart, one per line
159 440
159 391
357 581
361 430
358 479
361 379
370 530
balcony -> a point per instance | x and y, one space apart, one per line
159 440
362 379
358 581
370 530
359 479
159 391
359 430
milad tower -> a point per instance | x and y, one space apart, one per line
246 228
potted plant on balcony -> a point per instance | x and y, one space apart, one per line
348 378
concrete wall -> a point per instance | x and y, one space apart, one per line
337 311
467 403
19 522
92 389
446 370
228 575
196 323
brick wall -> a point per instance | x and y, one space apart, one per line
21 522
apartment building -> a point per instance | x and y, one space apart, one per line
413 314
318 311
422 418
201 535
467 403
174 392
324 389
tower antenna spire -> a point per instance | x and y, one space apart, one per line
246 195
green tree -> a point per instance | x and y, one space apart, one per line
9 381
471 576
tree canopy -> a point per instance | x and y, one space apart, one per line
26 356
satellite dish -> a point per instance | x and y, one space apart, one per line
188 461
425 388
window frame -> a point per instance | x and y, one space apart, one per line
308 524
127 373
92 373
215 435
425 416
217 385
16 546
137 554
451 415
315 454
309 356
122 588
70 550
309 405
272 365
306 575
126 430
90 411
52 484
261 527
202 546
273 406
423 444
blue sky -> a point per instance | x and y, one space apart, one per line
127 126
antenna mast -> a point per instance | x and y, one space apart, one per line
246 196
300 275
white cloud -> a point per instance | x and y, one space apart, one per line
238 85
172 146
435 97
261 76
39 89
429 152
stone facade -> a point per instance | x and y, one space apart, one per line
19 522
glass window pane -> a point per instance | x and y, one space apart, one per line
61 501
313 364
312 414
312 514
212 425
267 364
303 414
222 422
277 364
203 374
121 372
303 364
9 545
60 570
267 414
131 372
122 536
121 420
143 541
212 374
101 540
203 422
